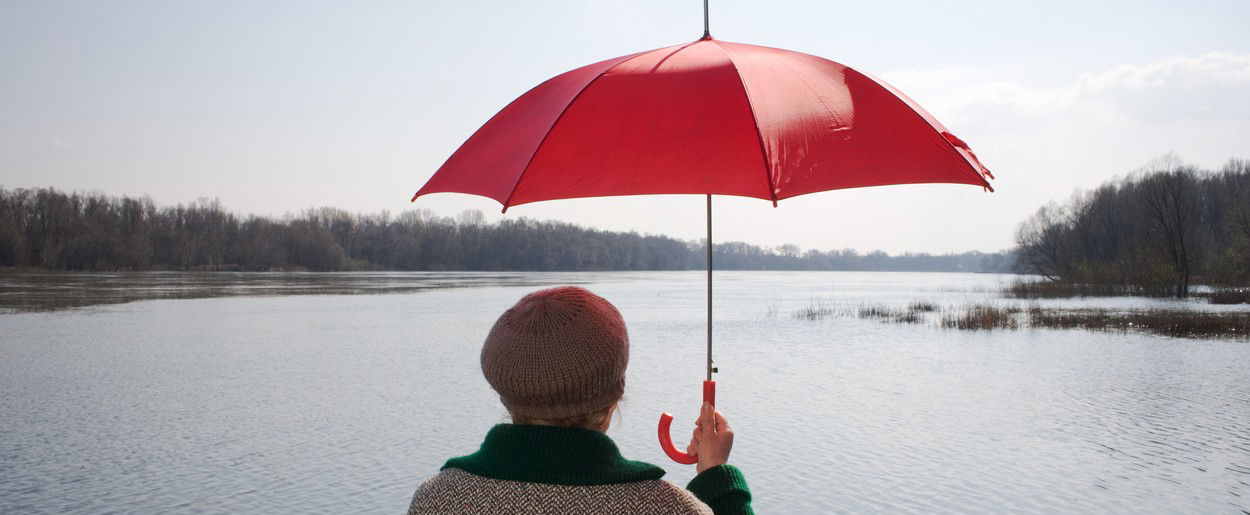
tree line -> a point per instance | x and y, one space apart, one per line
1156 231
55 230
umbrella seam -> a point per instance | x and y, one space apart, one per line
759 136
538 148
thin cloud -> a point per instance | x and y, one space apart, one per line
1204 87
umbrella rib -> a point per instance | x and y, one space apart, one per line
759 136
543 141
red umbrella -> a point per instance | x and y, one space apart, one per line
707 117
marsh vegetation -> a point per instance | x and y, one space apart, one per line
1184 323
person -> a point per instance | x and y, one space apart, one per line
557 360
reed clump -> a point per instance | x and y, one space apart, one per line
1063 289
1184 324
1179 323
922 306
874 312
983 317
817 310
913 314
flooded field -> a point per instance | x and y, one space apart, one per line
262 393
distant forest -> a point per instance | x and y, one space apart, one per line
1157 231
54 230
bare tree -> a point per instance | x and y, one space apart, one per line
1169 198
1041 240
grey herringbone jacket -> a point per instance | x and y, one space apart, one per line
542 469
454 492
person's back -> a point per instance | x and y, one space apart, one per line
454 491
557 359
540 480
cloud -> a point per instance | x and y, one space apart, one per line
1096 124
1044 141
1207 87
1212 86
1211 68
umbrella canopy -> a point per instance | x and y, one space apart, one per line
708 117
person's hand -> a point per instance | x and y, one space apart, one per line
712 439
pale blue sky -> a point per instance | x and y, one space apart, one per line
277 106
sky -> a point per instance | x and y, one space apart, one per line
277 106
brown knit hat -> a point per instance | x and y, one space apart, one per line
557 353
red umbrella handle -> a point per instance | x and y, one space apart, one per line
666 420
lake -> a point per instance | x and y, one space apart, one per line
338 393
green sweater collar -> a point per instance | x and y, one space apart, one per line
552 455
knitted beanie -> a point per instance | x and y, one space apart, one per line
557 353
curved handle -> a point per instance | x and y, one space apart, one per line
666 443
666 420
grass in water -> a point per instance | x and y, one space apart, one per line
922 306
981 317
986 317
1056 290
1179 323
1185 324
914 314
817 310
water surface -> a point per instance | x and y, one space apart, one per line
327 402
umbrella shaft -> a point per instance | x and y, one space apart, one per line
706 33
709 287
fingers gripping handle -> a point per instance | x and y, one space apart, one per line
666 420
